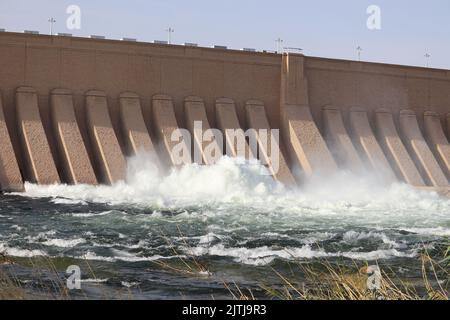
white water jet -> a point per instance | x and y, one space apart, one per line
235 181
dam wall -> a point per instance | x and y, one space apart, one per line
90 103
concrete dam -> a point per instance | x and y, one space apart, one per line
73 109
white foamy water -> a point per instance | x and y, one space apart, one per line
90 215
93 280
123 256
439 231
63 243
234 211
18 252
265 255
234 180
230 183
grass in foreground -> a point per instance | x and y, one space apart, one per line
325 280
322 280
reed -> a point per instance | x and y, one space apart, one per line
321 279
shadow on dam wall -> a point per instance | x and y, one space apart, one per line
72 110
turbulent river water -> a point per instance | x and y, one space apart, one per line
241 225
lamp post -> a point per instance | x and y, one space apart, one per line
359 50
169 35
52 21
279 42
427 57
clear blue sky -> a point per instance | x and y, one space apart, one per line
326 28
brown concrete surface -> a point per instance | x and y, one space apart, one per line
368 145
136 135
80 64
257 119
165 124
40 165
109 157
72 151
394 148
418 148
228 122
10 177
447 122
437 141
194 109
337 136
305 143
294 89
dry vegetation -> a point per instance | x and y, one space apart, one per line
322 280
325 280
